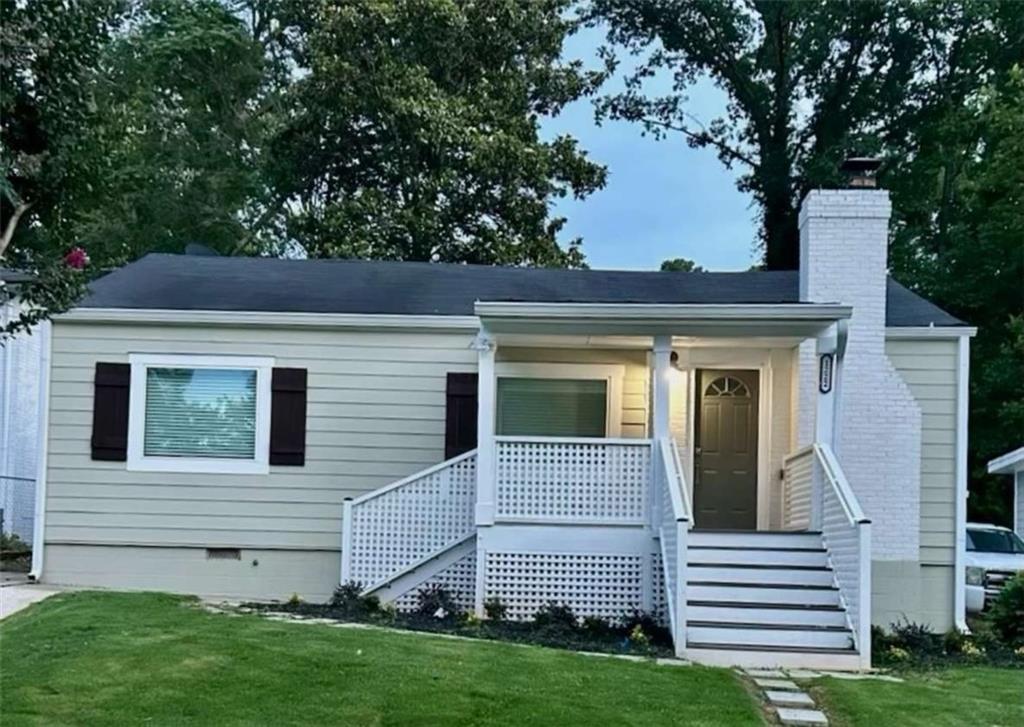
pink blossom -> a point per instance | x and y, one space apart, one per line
76 258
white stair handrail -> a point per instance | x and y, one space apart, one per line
672 528
846 532
419 516
835 477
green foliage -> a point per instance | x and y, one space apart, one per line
10 543
495 610
908 644
556 616
348 601
412 133
681 265
437 602
1006 615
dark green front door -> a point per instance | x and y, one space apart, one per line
725 450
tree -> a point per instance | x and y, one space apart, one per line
411 131
49 53
808 82
127 129
681 265
969 258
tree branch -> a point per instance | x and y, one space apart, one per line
706 139
12 224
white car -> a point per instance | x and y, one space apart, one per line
994 556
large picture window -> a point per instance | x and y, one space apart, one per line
558 400
199 414
552 407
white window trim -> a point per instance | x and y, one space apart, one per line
611 373
138 461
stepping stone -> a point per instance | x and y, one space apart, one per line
765 674
785 684
806 674
789 699
802 717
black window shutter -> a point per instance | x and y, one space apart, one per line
110 412
460 414
288 417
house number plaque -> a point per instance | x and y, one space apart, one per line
825 373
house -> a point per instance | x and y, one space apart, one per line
21 368
1012 463
771 461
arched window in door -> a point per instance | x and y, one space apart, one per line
727 387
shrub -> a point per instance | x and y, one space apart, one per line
436 601
649 625
1006 614
555 616
495 610
597 628
917 639
348 599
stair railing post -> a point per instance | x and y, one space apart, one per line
346 542
679 600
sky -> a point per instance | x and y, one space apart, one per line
663 199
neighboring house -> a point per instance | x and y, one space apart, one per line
530 435
21 375
1012 463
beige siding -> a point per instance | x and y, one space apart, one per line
634 384
376 414
929 367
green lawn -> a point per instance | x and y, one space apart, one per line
113 658
956 696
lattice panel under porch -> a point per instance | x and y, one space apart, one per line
572 481
459 578
659 602
592 585
401 526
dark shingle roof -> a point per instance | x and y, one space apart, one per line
183 282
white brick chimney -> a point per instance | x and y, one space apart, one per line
843 259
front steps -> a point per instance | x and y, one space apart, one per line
759 599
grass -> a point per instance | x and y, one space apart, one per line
954 696
115 658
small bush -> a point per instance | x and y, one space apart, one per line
553 615
1006 615
917 639
436 601
597 628
349 601
495 610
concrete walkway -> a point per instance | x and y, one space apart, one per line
17 593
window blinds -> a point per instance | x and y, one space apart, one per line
552 407
201 412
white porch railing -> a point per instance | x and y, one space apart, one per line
582 481
797 482
847 535
391 531
817 496
673 519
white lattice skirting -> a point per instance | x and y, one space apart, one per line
459 578
592 585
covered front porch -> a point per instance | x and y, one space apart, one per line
672 459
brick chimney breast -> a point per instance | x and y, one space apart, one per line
844 237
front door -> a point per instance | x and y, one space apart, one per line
725 450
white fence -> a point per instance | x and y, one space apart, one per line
17 506
673 519
390 531
583 481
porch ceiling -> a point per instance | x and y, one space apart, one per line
793 321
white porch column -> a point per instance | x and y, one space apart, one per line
826 381
486 487
662 383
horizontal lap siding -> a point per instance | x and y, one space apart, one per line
376 414
929 367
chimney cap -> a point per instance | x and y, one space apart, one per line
861 171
